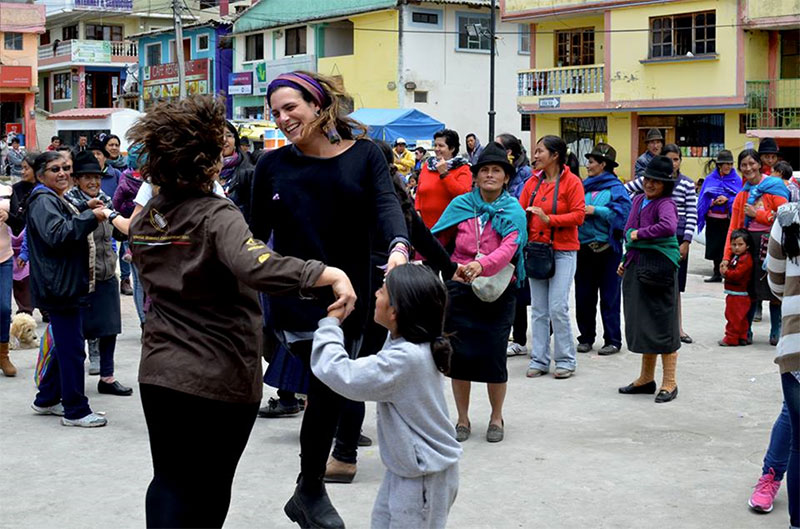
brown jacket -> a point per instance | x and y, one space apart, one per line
199 265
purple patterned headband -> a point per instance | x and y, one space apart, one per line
301 82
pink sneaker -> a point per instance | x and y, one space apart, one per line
764 494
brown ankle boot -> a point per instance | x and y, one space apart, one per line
6 366
338 472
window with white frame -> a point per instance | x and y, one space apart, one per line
524 39
12 41
153 54
62 87
202 43
480 40
254 47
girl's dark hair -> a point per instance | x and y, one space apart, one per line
669 187
334 115
110 137
236 140
671 147
41 161
784 169
423 150
450 138
744 235
420 300
182 141
556 146
748 153
511 143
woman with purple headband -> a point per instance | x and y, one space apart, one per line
322 197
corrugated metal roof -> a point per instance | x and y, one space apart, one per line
471 3
277 13
84 113
171 29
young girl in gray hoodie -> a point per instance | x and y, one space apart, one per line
416 436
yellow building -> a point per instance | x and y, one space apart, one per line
710 74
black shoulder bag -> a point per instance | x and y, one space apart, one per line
540 258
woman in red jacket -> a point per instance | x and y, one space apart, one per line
442 178
557 226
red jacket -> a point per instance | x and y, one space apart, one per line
739 273
570 210
434 193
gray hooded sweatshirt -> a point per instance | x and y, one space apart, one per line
415 434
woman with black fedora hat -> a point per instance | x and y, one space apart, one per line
714 204
101 317
488 228
649 271
768 151
600 235
654 141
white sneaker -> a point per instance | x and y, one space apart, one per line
55 409
89 421
515 349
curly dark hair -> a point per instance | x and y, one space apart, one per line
183 142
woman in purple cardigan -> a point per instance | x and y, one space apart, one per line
649 273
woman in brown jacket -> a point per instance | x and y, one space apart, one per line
200 374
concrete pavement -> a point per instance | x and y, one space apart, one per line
576 453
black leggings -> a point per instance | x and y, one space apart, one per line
196 444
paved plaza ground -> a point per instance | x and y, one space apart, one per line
576 454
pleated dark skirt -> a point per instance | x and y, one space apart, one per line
651 315
479 333
716 237
102 316
759 290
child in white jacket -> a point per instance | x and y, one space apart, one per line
416 436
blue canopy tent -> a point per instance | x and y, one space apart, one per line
388 124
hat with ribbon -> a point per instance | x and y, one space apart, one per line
85 163
495 154
660 168
604 152
653 135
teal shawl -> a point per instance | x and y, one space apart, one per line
506 214
666 245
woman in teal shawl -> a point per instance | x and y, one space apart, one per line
485 230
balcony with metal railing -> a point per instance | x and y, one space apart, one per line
87 52
773 104
570 83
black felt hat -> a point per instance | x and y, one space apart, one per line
85 163
724 156
660 168
768 146
97 145
605 153
494 153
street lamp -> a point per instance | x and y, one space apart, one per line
477 31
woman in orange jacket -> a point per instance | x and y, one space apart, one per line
442 178
757 220
559 227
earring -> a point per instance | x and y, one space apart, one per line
316 113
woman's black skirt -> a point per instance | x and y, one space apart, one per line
101 317
479 333
759 289
716 237
651 315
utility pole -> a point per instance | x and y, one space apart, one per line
176 12
492 50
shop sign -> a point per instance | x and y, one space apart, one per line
15 76
107 5
260 83
14 128
161 81
240 83
91 51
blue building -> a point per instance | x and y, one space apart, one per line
208 61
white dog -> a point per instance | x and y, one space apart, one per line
23 332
